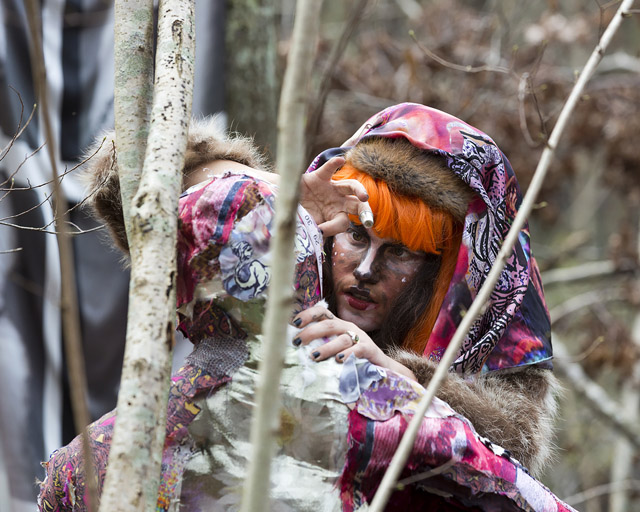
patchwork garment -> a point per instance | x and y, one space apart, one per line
339 423
515 329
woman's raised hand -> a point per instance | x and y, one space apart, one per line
318 322
329 202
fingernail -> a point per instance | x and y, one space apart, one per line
340 356
297 341
297 322
315 354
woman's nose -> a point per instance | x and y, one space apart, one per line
366 269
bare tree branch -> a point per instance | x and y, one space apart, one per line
69 299
59 178
20 128
600 490
406 444
13 174
355 15
290 160
9 251
597 398
580 272
458 67
582 301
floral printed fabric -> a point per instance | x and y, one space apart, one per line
224 262
515 329
450 468
64 488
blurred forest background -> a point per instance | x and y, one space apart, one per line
507 67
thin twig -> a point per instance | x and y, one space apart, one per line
582 301
589 270
69 299
584 354
12 175
523 85
28 210
601 490
5 151
406 444
355 15
458 67
9 251
597 398
61 176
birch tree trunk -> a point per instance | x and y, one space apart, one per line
290 162
133 88
134 460
250 70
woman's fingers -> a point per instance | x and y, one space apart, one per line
321 329
336 346
328 169
351 188
312 314
338 224
340 221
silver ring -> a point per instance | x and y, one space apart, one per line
354 337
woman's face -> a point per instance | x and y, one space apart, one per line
369 273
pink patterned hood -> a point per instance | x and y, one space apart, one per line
515 329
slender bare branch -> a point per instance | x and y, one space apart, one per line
597 398
582 301
458 67
290 160
589 270
406 444
13 174
20 128
523 85
9 251
60 176
69 299
601 490
355 15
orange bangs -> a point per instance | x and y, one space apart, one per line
420 228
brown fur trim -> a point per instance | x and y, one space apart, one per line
514 409
412 172
207 142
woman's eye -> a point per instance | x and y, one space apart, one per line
399 251
356 236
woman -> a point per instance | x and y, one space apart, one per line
225 223
443 196
222 271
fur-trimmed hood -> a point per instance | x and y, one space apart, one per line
207 141
411 171
515 329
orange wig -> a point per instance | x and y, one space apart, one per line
420 228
